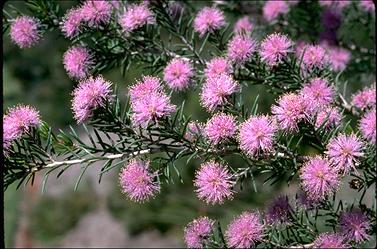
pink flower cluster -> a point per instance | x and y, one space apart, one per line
274 48
217 66
354 225
273 8
78 61
339 58
198 232
220 128
317 94
90 94
330 240
278 211
24 31
240 49
328 117
208 20
314 56
136 16
137 182
243 26
178 73
71 25
365 98
367 5
367 126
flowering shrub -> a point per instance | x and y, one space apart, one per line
313 133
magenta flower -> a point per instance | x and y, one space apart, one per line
278 210
213 183
240 49
220 127
217 66
314 56
339 58
90 94
243 26
257 135
17 122
72 22
289 111
78 61
317 94
328 117
208 20
344 151
178 73
244 231
136 16
354 225
367 5
137 182
300 46
330 240
144 88
334 4
24 31
216 89
198 232
151 108
274 48
305 201
367 126
318 178
96 12
272 9
194 130
365 98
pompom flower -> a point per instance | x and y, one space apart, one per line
198 232
274 48
243 26
72 22
339 58
314 56
193 131
137 182
240 49
95 12
144 88
344 151
367 5
24 31
367 126
177 74
78 61
217 66
136 16
278 210
317 94
272 9
354 225
89 95
220 127
365 98
213 183
330 240
244 231
257 135
328 117
216 90
289 111
318 178
208 20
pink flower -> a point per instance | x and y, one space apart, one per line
344 151
314 56
317 94
300 46
318 178
367 5
95 12
367 126
244 231
355 225
328 117
198 232
339 58
306 201
90 94
144 88
78 61
240 49
208 20
217 66
220 127
151 108
24 31
289 111
278 211
213 183
334 3
216 89
137 182
17 122
257 135
243 26
135 17
194 130
272 9
365 98
330 240
177 74
274 48
72 22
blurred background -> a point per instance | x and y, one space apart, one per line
98 215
